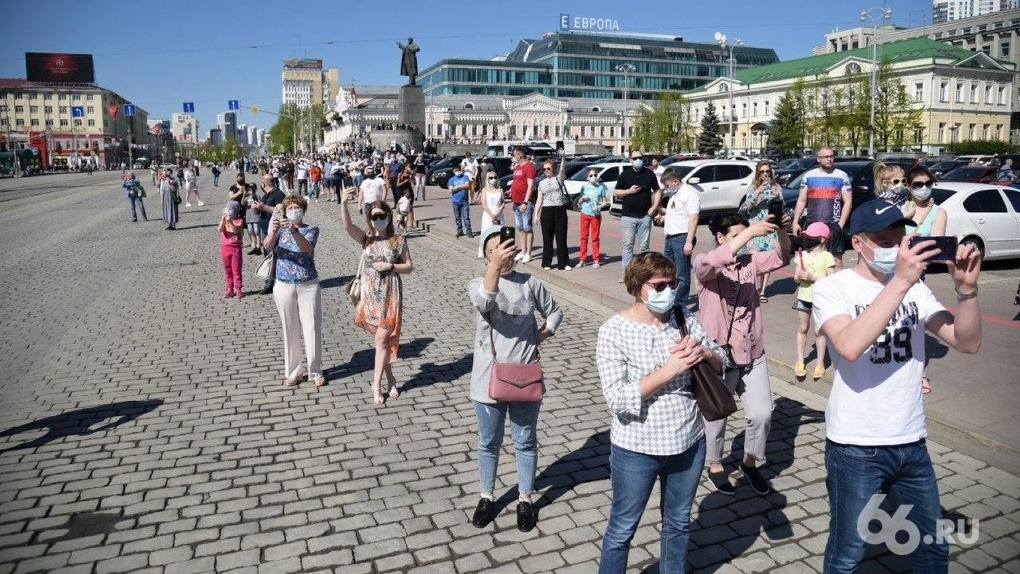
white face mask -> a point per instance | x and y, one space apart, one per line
593 179
380 224
885 259
922 193
660 301
295 214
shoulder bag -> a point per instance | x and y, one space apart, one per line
354 287
265 269
714 400
514 382
727 348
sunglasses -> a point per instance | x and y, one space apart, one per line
765 171
546 169
661 285
920 183
894 181
380 217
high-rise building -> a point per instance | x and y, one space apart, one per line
305 83
227 122
949 10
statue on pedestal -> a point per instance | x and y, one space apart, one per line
409 60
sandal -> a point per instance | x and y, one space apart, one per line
320 380
925 385
800 370
377 397
292 381
818 372
394 392
763 299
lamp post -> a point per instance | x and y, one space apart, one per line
874 14
720 38
626 69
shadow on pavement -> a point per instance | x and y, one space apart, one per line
332 282
81 422
363 361
432 373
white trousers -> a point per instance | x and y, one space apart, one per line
300 307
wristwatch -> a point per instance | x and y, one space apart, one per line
965 296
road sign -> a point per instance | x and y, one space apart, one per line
189 107
233 105
254 109
129 110
77 111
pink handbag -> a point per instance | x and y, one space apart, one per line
514 382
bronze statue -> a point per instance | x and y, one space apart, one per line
409 60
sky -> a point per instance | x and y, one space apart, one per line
159 55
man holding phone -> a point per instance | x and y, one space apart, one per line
874 316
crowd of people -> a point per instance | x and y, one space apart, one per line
871 317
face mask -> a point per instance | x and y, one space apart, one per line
809 243
295 215
922 194
593 179
885 259
660 301
638 163
381 224
492 180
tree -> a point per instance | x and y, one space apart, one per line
979 147
895 114
710 140
787 129
665 125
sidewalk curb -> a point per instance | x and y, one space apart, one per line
963 440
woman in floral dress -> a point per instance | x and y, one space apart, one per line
762 190
380 311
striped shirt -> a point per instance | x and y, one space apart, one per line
669 421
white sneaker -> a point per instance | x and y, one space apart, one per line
596 265
187 205
567 268
201 203
518 257
526 258
547 268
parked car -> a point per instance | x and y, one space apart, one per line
987 216
971 174
721 183
978 159
608 174
441 172
945 166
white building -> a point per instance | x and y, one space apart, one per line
950 10
184 127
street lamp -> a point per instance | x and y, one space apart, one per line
874 14
626 69
720 38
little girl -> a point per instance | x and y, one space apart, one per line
405 210
892 184
231 230
812 262
594 196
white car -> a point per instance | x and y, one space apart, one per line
978 159
984 214
721 183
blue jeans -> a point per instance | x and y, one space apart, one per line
215 179
675 251
313 189
357 179
637 229
524 221
134 213
462 214
633 475
855 474
523 431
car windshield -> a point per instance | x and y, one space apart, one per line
963 174
939 194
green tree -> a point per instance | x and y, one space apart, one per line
895 114
979 147
665 125
787 129
710 140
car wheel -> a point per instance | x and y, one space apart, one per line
976 242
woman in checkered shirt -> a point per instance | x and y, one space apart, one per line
657 430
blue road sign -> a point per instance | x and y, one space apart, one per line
233 105
189 107
129 110
77 111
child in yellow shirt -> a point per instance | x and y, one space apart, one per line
812 262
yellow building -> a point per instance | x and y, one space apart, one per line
961 95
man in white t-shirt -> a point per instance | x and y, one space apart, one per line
470 167
301 174
874 316
372 189
680 223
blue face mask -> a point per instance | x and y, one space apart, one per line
885 259
638 163
660 301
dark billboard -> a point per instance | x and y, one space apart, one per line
68 68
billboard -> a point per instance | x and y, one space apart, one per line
70 68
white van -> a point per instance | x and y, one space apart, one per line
505 148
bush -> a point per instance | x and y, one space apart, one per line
979 147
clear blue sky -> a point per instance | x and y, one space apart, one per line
211 51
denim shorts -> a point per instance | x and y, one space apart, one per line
799 305
523 220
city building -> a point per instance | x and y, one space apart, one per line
215 136
184 127
579 85
305 83
950 10
40 116
962 95
227 122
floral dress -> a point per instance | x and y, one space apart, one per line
382 294
757 208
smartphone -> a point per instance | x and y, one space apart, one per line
776 210
507 233
944 243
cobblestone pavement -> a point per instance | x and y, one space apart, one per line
143 427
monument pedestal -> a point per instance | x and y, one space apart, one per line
410 128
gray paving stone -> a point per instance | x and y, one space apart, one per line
125 563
